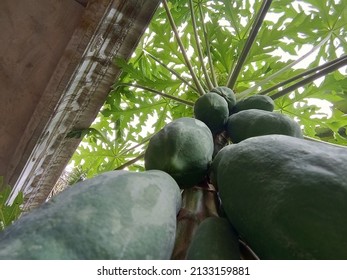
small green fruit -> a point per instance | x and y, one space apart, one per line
228 94
261 102
212 109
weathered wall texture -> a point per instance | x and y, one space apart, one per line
56 70
34 35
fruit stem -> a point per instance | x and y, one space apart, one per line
220 141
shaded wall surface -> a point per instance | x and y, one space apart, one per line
34 35
56 70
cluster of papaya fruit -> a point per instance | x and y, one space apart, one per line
284 196
249 117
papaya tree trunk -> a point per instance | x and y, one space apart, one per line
198 203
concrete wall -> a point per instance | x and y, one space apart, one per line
56 70
34 34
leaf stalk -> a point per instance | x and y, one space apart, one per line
198 47
175 73
207 45
201 90
157 92
130 162
234 73
287 67
309 79
301 75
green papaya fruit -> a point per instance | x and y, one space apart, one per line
255 122
183 148
215 239
261 102
228 94
212 109
116 215
285 196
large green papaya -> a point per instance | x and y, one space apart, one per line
183 148
215 239
255 122
116 215
261 102
212 109
285 196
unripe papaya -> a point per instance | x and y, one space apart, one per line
183 148
212 109
286 196
255 122
228 94
116 215
261 102
215 239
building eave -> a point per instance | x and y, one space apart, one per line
81 81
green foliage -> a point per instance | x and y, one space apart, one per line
8 213
158 83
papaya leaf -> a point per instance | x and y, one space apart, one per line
9 213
